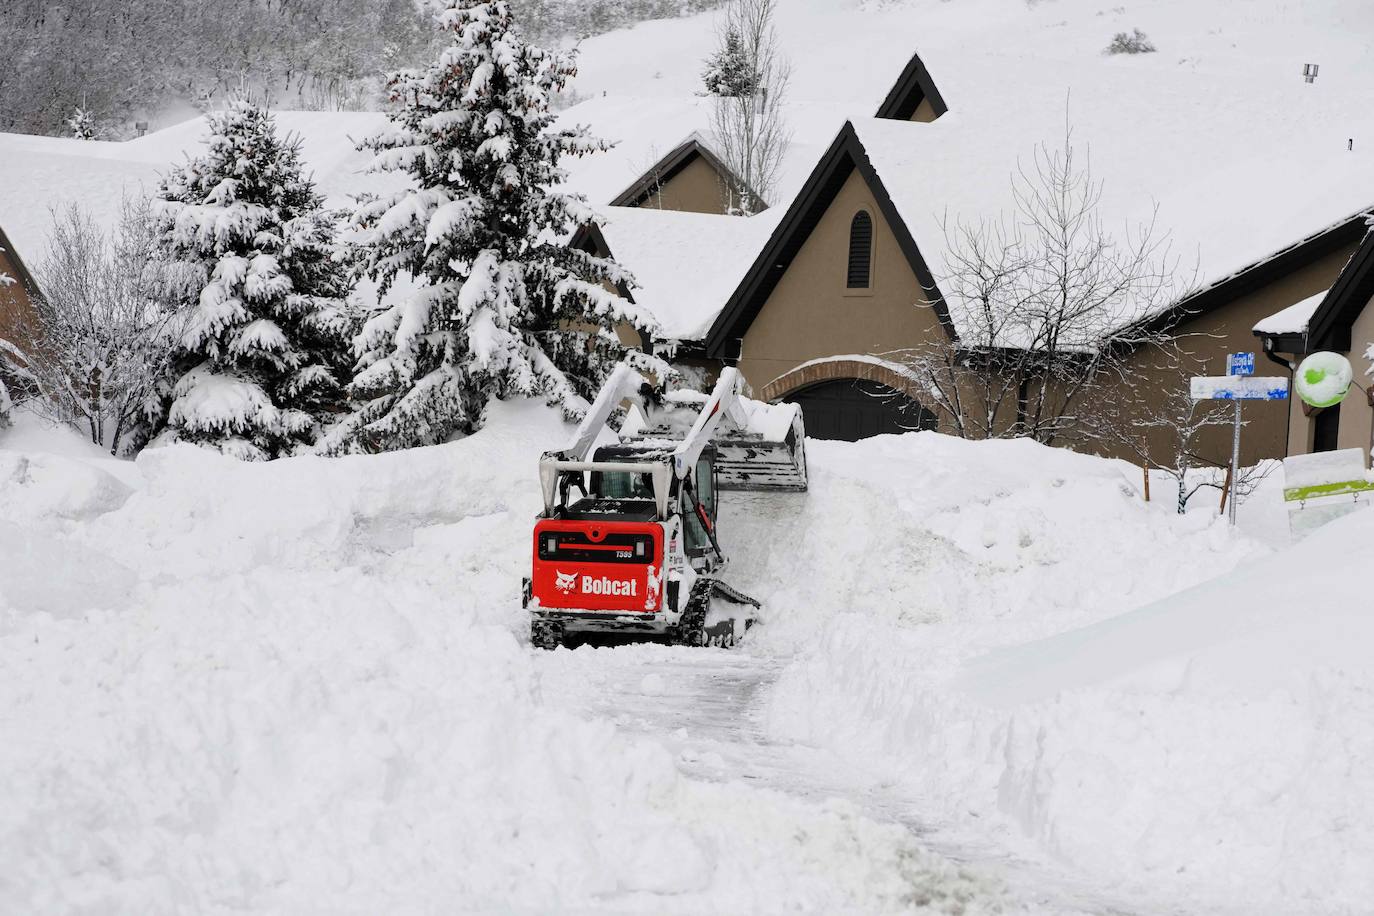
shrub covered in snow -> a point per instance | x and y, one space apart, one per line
97 352
503 306
82 124
264 346
1133 42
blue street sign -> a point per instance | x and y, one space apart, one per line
1240 364
1239 388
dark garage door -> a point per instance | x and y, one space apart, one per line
853 409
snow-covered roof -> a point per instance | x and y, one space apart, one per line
1292 320
41 174
1231 181
645 129
685 264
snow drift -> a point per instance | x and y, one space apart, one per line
966 624
305 687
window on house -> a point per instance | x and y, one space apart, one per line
860 251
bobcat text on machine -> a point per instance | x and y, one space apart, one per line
627 541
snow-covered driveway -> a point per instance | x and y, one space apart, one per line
708 707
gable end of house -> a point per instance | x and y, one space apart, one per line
914 97
844 156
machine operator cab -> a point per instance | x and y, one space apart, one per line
628 496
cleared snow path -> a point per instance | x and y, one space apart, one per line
705 706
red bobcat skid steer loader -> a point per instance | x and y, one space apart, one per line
627 541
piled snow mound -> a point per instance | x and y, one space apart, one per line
1219 734
1204 749
298 687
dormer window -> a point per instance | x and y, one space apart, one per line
860 251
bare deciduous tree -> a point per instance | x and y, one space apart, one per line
1160 426
748 128
99 349
1047 303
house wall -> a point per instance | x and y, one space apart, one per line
18 317
1229 329
1357 416
697 188
811 314
924 112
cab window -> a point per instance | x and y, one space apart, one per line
623 485
697 540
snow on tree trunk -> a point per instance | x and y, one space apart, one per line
503 307
263 342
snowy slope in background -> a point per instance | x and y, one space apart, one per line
43 174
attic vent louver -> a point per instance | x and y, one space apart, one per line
860 250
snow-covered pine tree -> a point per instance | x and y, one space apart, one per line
263 341
82 123
504 307
729 72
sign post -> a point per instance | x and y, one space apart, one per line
1237 364
1239 384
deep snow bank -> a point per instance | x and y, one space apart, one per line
304 687
1211 748
1224 734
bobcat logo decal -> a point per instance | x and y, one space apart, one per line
566 582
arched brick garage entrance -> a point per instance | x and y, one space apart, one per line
851 399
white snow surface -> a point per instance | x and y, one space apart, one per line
685 265
1293 319
305 686
43 174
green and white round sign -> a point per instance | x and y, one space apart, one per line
1323 379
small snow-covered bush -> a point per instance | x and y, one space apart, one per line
1133 42
96 354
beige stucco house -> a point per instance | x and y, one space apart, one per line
841 288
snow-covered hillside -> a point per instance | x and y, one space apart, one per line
306 685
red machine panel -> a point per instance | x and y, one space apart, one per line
598 566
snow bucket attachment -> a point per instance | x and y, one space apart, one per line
758 446
770 455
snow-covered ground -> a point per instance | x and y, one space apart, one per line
305 687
